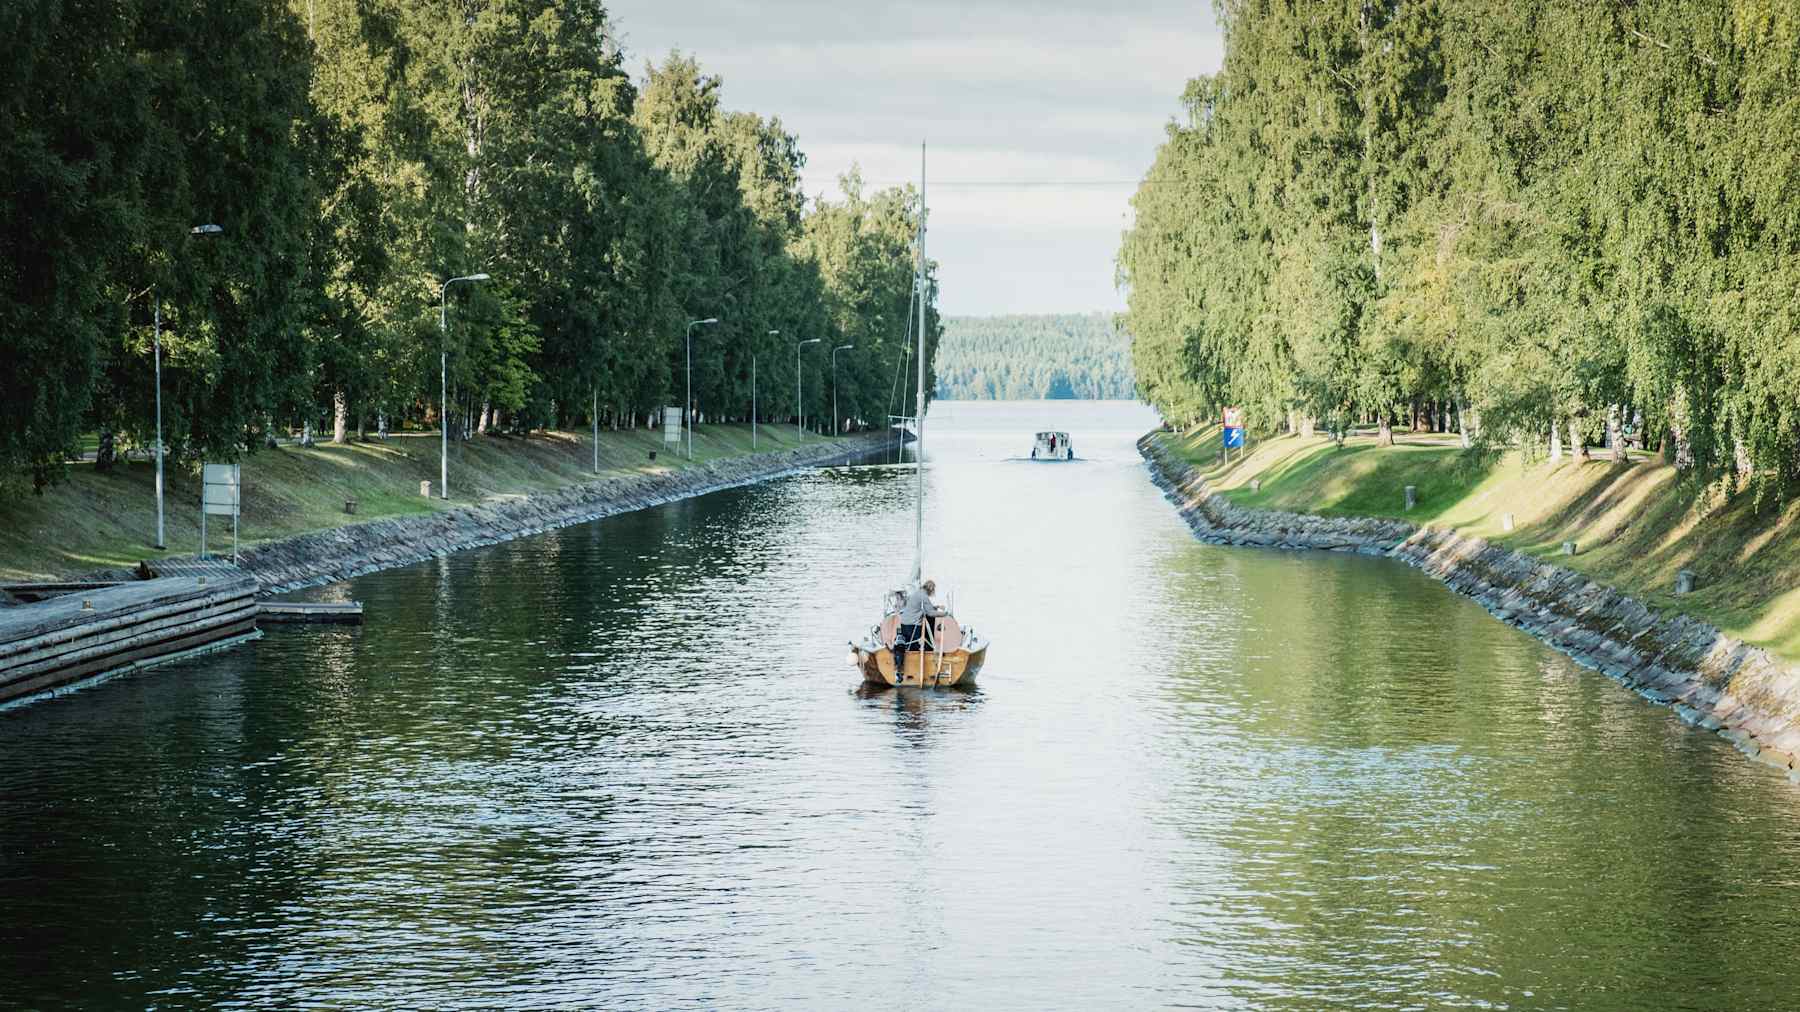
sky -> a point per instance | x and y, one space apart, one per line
1009 94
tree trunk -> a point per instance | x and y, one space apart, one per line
1368 125
1683 451
1614 436
306 438
1385 437
1555 442
481 424
340 417
381 425
1577 444
1462 424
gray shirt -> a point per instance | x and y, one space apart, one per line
918 605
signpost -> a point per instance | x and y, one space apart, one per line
1233 433
220 495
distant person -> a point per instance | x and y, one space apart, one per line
913 612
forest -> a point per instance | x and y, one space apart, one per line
1082 356
356 155
1524 221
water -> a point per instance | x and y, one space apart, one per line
625 765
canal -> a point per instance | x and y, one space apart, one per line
625 765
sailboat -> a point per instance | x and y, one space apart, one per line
947 653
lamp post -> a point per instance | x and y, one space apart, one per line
834 410
689 410
203 232
444 382
799 418
772 333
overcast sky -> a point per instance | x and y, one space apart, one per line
1007 92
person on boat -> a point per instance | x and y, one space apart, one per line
913 613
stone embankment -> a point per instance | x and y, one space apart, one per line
1711 680
341 553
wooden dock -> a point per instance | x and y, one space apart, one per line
32 593
315 612
86 632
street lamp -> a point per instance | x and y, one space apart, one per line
799 418
201 231
709 321
772 333
834 410
444 382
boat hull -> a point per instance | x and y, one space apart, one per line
944 669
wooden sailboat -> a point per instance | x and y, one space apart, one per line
948 653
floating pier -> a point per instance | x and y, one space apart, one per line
87 631
314 612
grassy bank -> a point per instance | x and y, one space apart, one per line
96 520
1635 526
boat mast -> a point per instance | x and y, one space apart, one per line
918 572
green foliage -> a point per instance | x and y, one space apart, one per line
1549 215
1072 356
359 153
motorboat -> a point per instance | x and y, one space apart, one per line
1052 446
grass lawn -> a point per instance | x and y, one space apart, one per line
94 520
1636 525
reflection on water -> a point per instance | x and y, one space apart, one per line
625 765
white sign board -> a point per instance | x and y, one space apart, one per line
671 425
219 494
221 490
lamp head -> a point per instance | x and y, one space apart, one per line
477 277
207 230
814 340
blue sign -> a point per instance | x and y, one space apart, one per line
1234 437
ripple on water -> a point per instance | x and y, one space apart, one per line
624 765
